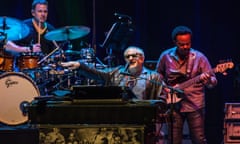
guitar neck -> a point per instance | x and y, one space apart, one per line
192 81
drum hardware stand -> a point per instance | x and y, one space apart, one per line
4 27
58 48
98 60
24 107
3 47
109 57
90 63
3 34
3 42
69 45
58 85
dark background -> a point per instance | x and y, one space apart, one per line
214 24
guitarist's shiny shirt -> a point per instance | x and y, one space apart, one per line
174 72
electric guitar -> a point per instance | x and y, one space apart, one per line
174 98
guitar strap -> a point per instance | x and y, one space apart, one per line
191 58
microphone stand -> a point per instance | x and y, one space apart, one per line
171 115
172 91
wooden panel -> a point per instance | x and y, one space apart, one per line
92 134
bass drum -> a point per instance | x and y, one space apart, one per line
17 91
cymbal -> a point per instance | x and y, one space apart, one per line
67 33
12 29
72 52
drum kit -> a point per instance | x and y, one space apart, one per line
37 74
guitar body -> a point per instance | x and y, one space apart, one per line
176 97
173 98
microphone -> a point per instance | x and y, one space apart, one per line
126 67
126 73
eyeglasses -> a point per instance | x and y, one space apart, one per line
132 55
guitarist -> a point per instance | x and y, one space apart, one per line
182 63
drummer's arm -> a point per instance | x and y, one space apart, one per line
71 64
12 47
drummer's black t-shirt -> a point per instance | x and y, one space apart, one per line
32 38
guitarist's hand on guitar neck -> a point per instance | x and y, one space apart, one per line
205 78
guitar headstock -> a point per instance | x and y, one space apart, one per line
223 66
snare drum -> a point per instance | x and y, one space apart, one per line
17 91
28 61
6 63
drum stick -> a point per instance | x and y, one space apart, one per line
55 44
57 48
48 55
39 29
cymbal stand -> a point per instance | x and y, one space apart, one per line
69 45
4 41
2 48
61 56
109 57
100 62
4 27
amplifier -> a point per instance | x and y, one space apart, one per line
232 111
232 132
82 113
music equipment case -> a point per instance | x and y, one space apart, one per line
232 123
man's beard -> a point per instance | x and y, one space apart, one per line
183 54
134 70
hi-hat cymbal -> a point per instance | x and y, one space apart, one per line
67 33
12 29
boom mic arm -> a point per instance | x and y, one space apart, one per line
154 82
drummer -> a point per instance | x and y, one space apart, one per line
38 25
